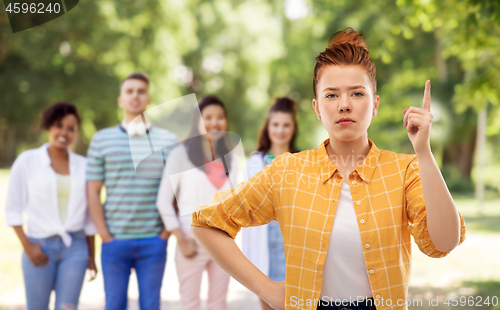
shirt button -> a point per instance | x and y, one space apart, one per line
362 221
358 203
367 246
353 182
372 272
354 173
377 297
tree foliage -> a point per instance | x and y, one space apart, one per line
250 52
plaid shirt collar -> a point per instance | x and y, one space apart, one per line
365 170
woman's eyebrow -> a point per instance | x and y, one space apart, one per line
349 88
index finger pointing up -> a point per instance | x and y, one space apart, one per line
427 96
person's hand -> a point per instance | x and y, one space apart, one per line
418 122
107 238
35 254
165 234
188 247
92 268
275 296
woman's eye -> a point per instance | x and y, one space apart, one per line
358 94
331 96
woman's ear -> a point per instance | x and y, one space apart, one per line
376 102
316 109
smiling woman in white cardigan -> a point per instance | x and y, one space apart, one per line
48 185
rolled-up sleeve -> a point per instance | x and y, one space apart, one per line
249 203
17 195
417 215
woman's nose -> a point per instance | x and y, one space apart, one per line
344 105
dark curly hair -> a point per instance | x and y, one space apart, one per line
56 112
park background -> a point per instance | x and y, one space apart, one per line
249 52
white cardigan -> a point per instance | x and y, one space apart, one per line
33 190
254 239
192 187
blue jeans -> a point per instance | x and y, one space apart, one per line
147 256
276 246
64 273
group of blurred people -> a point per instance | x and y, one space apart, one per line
60 192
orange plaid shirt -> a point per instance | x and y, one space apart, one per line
301 192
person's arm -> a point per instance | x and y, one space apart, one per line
224 251
91 265
95 176
435 213
32 249
164 203
15 204
421 213
96 209
443 219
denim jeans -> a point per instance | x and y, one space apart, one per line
276 246
64 273
147 256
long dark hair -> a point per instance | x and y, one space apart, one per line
286 105
194 143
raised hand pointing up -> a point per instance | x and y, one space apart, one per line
418 122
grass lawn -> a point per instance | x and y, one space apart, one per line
472 269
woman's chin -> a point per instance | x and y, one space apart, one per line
216 136
60 145
280 141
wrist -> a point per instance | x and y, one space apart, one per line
179 235
25 241
106 236
425 151
265 289
26 244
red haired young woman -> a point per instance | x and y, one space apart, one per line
346 209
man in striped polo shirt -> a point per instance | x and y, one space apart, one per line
131 229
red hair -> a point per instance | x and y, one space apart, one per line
346 47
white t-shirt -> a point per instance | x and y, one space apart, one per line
344 272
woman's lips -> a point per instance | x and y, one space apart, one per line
345 123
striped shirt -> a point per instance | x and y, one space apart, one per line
302 190
131 184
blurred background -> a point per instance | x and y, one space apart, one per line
247 53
